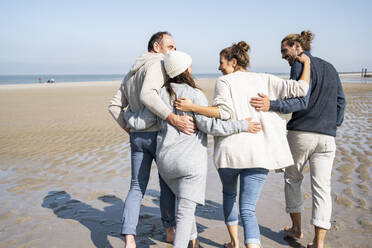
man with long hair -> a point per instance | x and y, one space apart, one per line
311 135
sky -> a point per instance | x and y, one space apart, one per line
105 37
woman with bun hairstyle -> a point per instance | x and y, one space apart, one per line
182 159
245 155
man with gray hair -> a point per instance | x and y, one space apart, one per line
139 92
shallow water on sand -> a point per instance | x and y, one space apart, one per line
73 182
352 185
72 195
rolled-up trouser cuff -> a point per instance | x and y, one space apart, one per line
298 209
128 230
253 241
193 236
321 224
232 223
168 224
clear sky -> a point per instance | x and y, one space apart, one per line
96 36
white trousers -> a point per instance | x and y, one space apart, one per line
319 150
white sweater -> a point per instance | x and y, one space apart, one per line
268 148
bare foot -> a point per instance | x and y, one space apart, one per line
169 234
130 242
291 232
193 243
312 245
229 245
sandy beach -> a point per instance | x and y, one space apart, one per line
65 172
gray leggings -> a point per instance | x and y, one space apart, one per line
186 225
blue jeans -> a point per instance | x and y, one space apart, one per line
143 149
251 182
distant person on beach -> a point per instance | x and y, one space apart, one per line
311 135
183 159
51 81
245 155
138 91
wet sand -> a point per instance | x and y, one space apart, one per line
64 174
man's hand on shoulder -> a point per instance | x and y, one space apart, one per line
261 103
184 123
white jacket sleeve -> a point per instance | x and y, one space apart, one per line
287 88
154 79
117 105
216 127
223 99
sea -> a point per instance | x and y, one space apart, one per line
73 78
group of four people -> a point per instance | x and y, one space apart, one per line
168 118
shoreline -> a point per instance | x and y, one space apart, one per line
355 77
60 85
113 83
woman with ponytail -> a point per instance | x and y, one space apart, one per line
245 155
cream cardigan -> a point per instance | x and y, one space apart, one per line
268 148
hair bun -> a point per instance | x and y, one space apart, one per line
244 46
307 35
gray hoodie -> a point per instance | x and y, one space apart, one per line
128 94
